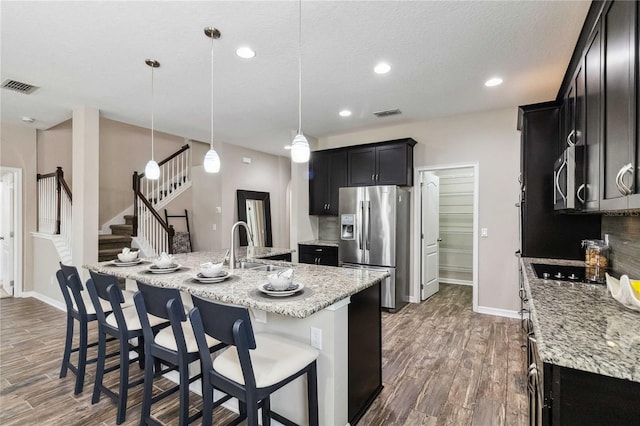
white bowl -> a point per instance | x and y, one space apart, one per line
128 257
209 269
279 282
164 262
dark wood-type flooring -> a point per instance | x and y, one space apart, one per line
442 365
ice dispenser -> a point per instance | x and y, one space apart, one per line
347 222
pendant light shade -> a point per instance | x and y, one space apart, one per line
152 170
300 146
211 158
212 161
300 152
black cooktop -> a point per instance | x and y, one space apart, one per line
568 273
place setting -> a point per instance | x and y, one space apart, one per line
128 257
281 285
211 273
164 264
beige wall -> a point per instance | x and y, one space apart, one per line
124 149
55 150
491 140
18 149
45 281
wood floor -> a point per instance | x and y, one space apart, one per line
442 365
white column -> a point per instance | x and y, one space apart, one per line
86 179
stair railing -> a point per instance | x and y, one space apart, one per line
54 205
148 194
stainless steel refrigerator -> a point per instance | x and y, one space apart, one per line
374 234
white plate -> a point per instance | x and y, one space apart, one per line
280 293
118 262
156 270
208 280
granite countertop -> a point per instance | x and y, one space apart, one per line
581 326
323 285
328 243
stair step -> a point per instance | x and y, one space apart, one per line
128 219
121 229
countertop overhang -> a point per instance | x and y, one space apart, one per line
581 326
327 285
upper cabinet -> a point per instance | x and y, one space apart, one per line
383 163
327 173
388 163
619 144
600 108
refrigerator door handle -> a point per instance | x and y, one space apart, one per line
368 246
360 241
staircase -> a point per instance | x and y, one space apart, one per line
109 245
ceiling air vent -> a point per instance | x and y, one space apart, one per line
19 86
387 113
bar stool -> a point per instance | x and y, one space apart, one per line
77 310
258 365
122 324
174 346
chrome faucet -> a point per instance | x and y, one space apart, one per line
232 249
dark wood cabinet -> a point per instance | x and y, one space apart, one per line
619 138
389 163
318 255
593 119
327 173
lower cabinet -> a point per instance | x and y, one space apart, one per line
565 396
318 255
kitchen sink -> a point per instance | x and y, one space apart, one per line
260 267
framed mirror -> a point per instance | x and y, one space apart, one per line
255 209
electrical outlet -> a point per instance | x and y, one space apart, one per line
316 338
484 233
214 227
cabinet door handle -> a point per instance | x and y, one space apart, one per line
557 183
626 190
570 138
319 250
373 177
329 206
377 177
581 188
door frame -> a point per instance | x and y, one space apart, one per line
416 226
17 225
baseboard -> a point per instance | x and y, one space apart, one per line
46 299
455 281
498 312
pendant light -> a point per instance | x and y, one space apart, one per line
152 170
300 146
211 158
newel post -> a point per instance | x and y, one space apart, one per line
59 176
136 190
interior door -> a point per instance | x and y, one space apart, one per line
6 232
430 232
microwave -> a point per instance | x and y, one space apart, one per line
568 179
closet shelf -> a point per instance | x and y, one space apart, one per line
453 268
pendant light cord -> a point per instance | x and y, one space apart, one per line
212 92
300 68
152 113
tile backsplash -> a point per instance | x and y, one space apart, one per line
328 228
624 240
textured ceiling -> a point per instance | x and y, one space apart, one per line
92 53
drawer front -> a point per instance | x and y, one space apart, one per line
318 255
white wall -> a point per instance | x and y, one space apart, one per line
489 138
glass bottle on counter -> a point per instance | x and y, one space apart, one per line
596 253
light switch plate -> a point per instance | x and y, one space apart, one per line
316 338
484 233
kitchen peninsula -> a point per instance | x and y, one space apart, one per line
343 304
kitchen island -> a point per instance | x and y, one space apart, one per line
323 305
588 347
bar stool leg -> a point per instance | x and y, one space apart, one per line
184 393
102 350
123 390
266 408
312 394
67 347
148 389
82 357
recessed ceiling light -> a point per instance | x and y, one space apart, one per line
287 147
245 52
28 119
382 68
492 82
345 113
